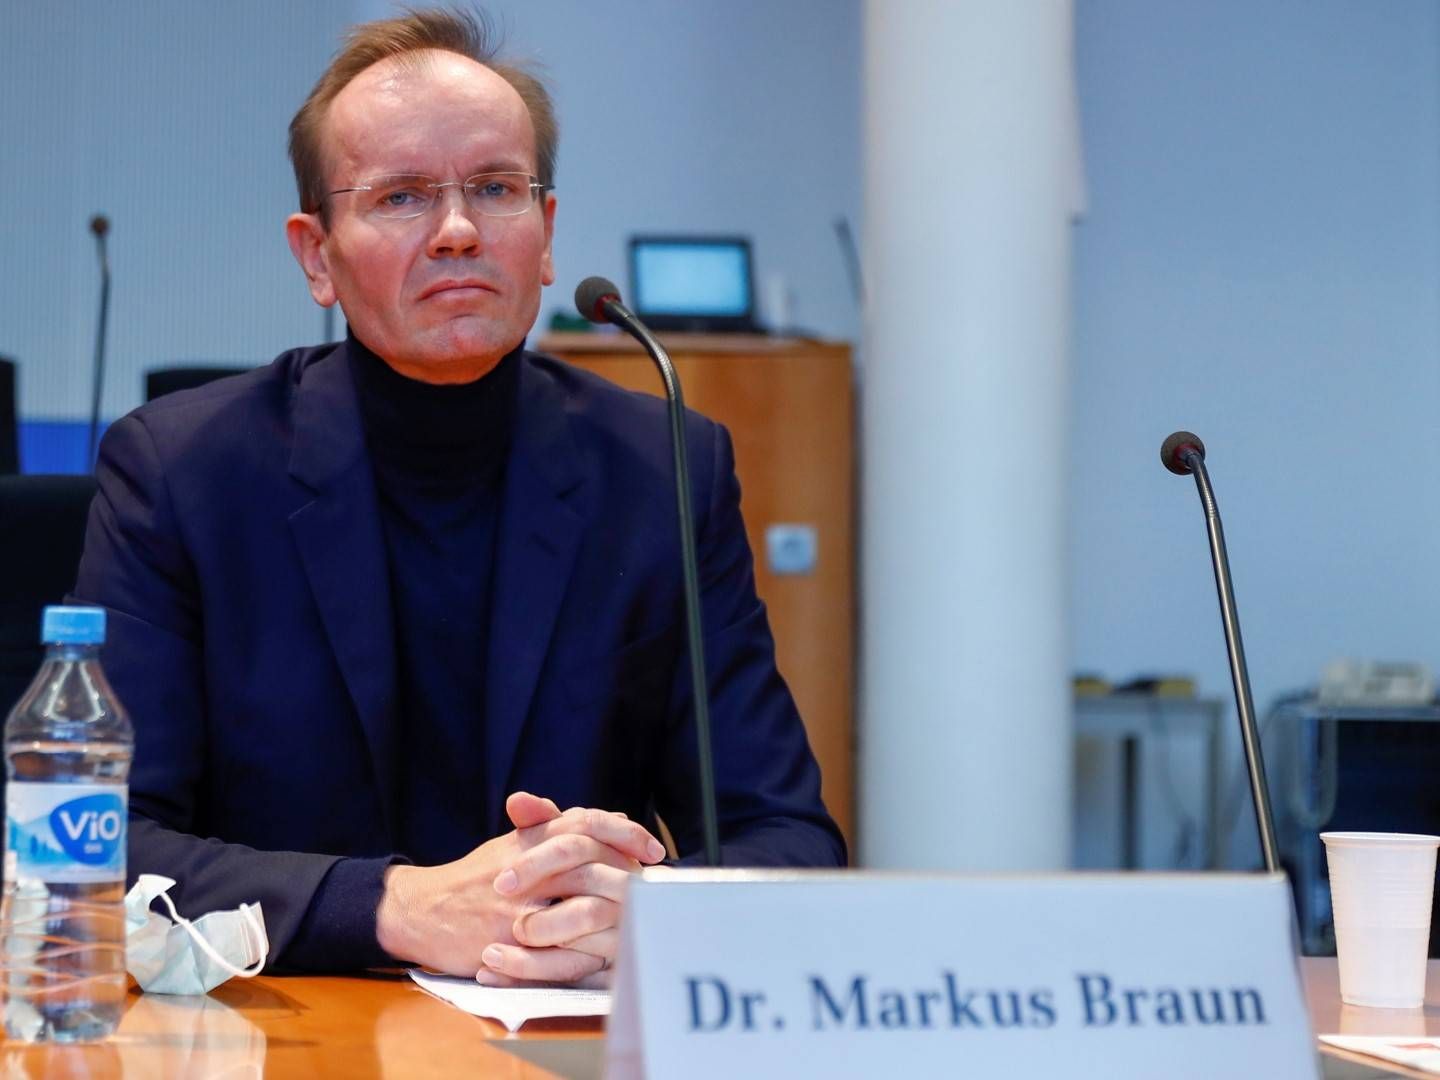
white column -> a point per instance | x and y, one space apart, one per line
971 181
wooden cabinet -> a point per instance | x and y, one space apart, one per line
789 405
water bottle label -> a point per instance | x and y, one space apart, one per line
65 832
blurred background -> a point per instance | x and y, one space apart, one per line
1257 259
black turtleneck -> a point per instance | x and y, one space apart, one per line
438 440
438 454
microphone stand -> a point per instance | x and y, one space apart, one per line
99 226
700 685
1235 648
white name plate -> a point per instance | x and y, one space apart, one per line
727 973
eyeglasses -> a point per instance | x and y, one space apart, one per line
398 197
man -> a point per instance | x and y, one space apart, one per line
365 599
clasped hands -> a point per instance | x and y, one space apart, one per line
538 904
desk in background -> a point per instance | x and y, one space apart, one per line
1128 724
1347 768
789 406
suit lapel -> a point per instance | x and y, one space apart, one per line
342 549
541 526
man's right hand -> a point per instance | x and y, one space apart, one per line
444 917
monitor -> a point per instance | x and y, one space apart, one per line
703 284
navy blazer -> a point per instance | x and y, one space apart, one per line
236 542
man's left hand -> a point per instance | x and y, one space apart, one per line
582 915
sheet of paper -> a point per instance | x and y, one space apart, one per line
512 1007
1414 1051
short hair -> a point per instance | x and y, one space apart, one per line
447 30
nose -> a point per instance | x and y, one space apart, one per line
454 233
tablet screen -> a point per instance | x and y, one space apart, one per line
697 279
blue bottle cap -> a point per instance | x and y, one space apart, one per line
72 626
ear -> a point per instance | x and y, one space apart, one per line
307 236
547 264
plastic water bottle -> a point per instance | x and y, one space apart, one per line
68 746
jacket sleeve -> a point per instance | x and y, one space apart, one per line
135 565
767 782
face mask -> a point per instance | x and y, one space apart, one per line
187 957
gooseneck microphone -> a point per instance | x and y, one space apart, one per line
1184 453
99 225
599 301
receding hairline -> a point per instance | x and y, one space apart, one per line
414 35
418 62
411 66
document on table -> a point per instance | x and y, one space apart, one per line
513 1006
1413 1051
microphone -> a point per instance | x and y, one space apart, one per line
1177 453
851 254
599 301
596 298
1183 453
99 225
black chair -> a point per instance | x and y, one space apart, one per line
42 530
9 423
166 380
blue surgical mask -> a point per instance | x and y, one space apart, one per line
185 957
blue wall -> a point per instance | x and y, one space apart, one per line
1259 264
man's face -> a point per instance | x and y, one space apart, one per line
441 297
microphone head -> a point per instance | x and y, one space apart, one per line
1172 451
590 297
100 224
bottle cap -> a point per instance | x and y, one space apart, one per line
73 626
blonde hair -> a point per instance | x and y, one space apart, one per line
448 30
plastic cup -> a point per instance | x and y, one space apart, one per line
1381 885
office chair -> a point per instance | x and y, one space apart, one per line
166 380
42 530
9 421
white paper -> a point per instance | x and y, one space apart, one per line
1415 1051
513 1006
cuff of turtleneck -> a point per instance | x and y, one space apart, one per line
338 932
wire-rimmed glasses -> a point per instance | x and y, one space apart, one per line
401 196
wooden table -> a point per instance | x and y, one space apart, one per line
351 1026
384 1025
1331 1016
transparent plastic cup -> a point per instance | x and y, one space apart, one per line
1381 886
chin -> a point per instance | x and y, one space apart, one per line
456 362
473 336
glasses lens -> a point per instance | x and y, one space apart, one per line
500 194
397 197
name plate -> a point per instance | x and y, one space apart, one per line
727 973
